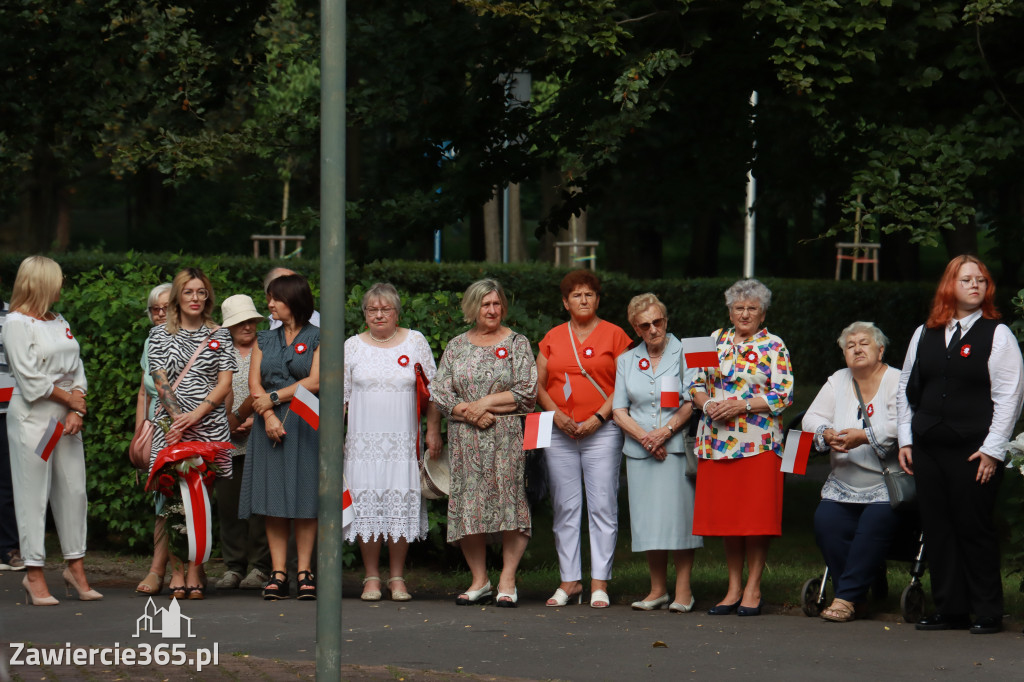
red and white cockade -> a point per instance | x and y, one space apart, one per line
501 353
588 352
403 360
871 410
965 350
214 344
751 356
301 348
645 364
67 332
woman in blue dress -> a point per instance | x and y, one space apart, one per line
281 479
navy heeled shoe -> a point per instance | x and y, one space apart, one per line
750 610
723 609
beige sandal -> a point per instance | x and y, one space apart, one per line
370 595
398 595
152 584
841 611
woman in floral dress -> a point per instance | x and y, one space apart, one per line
487 377
381 465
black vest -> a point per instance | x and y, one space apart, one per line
955 386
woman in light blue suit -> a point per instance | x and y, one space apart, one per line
660 494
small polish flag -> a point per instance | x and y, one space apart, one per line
49 440
348 514
570 404
670 388
307 406
6 389
538 430
798 449
700 351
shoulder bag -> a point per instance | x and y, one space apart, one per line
140 449
899 484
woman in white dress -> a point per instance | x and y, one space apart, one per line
381 467
46 362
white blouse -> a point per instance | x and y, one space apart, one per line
42 353
856 475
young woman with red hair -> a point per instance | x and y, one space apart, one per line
960 395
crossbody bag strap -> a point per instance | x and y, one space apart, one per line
867 420
188 366
572 342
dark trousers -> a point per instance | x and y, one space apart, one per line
957 519
854 539
8 521
243 542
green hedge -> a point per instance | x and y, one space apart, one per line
104 302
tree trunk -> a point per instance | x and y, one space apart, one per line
492 229
550 181
518 252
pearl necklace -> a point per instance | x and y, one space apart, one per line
382 340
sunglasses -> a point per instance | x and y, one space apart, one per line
646 326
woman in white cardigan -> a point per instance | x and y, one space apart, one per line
45 360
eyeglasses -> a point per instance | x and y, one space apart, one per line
373 312
966 282
646 326
201 294
740 309
158 309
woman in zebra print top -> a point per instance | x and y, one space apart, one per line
196 406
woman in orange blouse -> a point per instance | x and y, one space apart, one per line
586 446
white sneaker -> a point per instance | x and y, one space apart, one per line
256 580
229 581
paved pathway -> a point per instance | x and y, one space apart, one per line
387 640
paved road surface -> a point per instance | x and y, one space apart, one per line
277 641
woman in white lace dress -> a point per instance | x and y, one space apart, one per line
381 467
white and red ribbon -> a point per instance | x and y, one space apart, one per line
198 519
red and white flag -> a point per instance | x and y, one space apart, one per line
537 433
306 405
700 351
6 389
198 519
49 440
798 449
670 388
570 404
348 514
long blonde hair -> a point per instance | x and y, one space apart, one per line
36 285
174 304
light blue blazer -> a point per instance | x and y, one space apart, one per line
639 390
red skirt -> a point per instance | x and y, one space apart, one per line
737 497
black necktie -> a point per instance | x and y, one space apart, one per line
955 339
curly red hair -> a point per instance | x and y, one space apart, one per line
944 303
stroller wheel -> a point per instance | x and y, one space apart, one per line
812 599
912 603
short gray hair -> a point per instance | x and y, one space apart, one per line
383 291
748 290
273 274
154 296
474 298
859 327
640 303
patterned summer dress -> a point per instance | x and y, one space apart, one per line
283 481
381 468
487 493
171 352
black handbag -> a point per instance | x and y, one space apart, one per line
900 485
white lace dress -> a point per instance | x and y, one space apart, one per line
380 447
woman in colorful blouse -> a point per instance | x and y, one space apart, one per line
739 443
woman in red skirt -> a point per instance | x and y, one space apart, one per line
739 443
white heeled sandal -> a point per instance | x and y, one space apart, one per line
561 598
474 597
507 601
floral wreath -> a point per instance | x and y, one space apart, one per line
965 350
645 364
403 360
67 332
301 348
501 353
214 344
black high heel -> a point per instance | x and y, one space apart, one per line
723 609
307 586
277 588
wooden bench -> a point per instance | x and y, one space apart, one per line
271 239
572 248
862 253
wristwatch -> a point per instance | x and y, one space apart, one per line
748 406
276 399
670 429
238 415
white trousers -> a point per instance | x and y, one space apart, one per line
59 481
592 464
